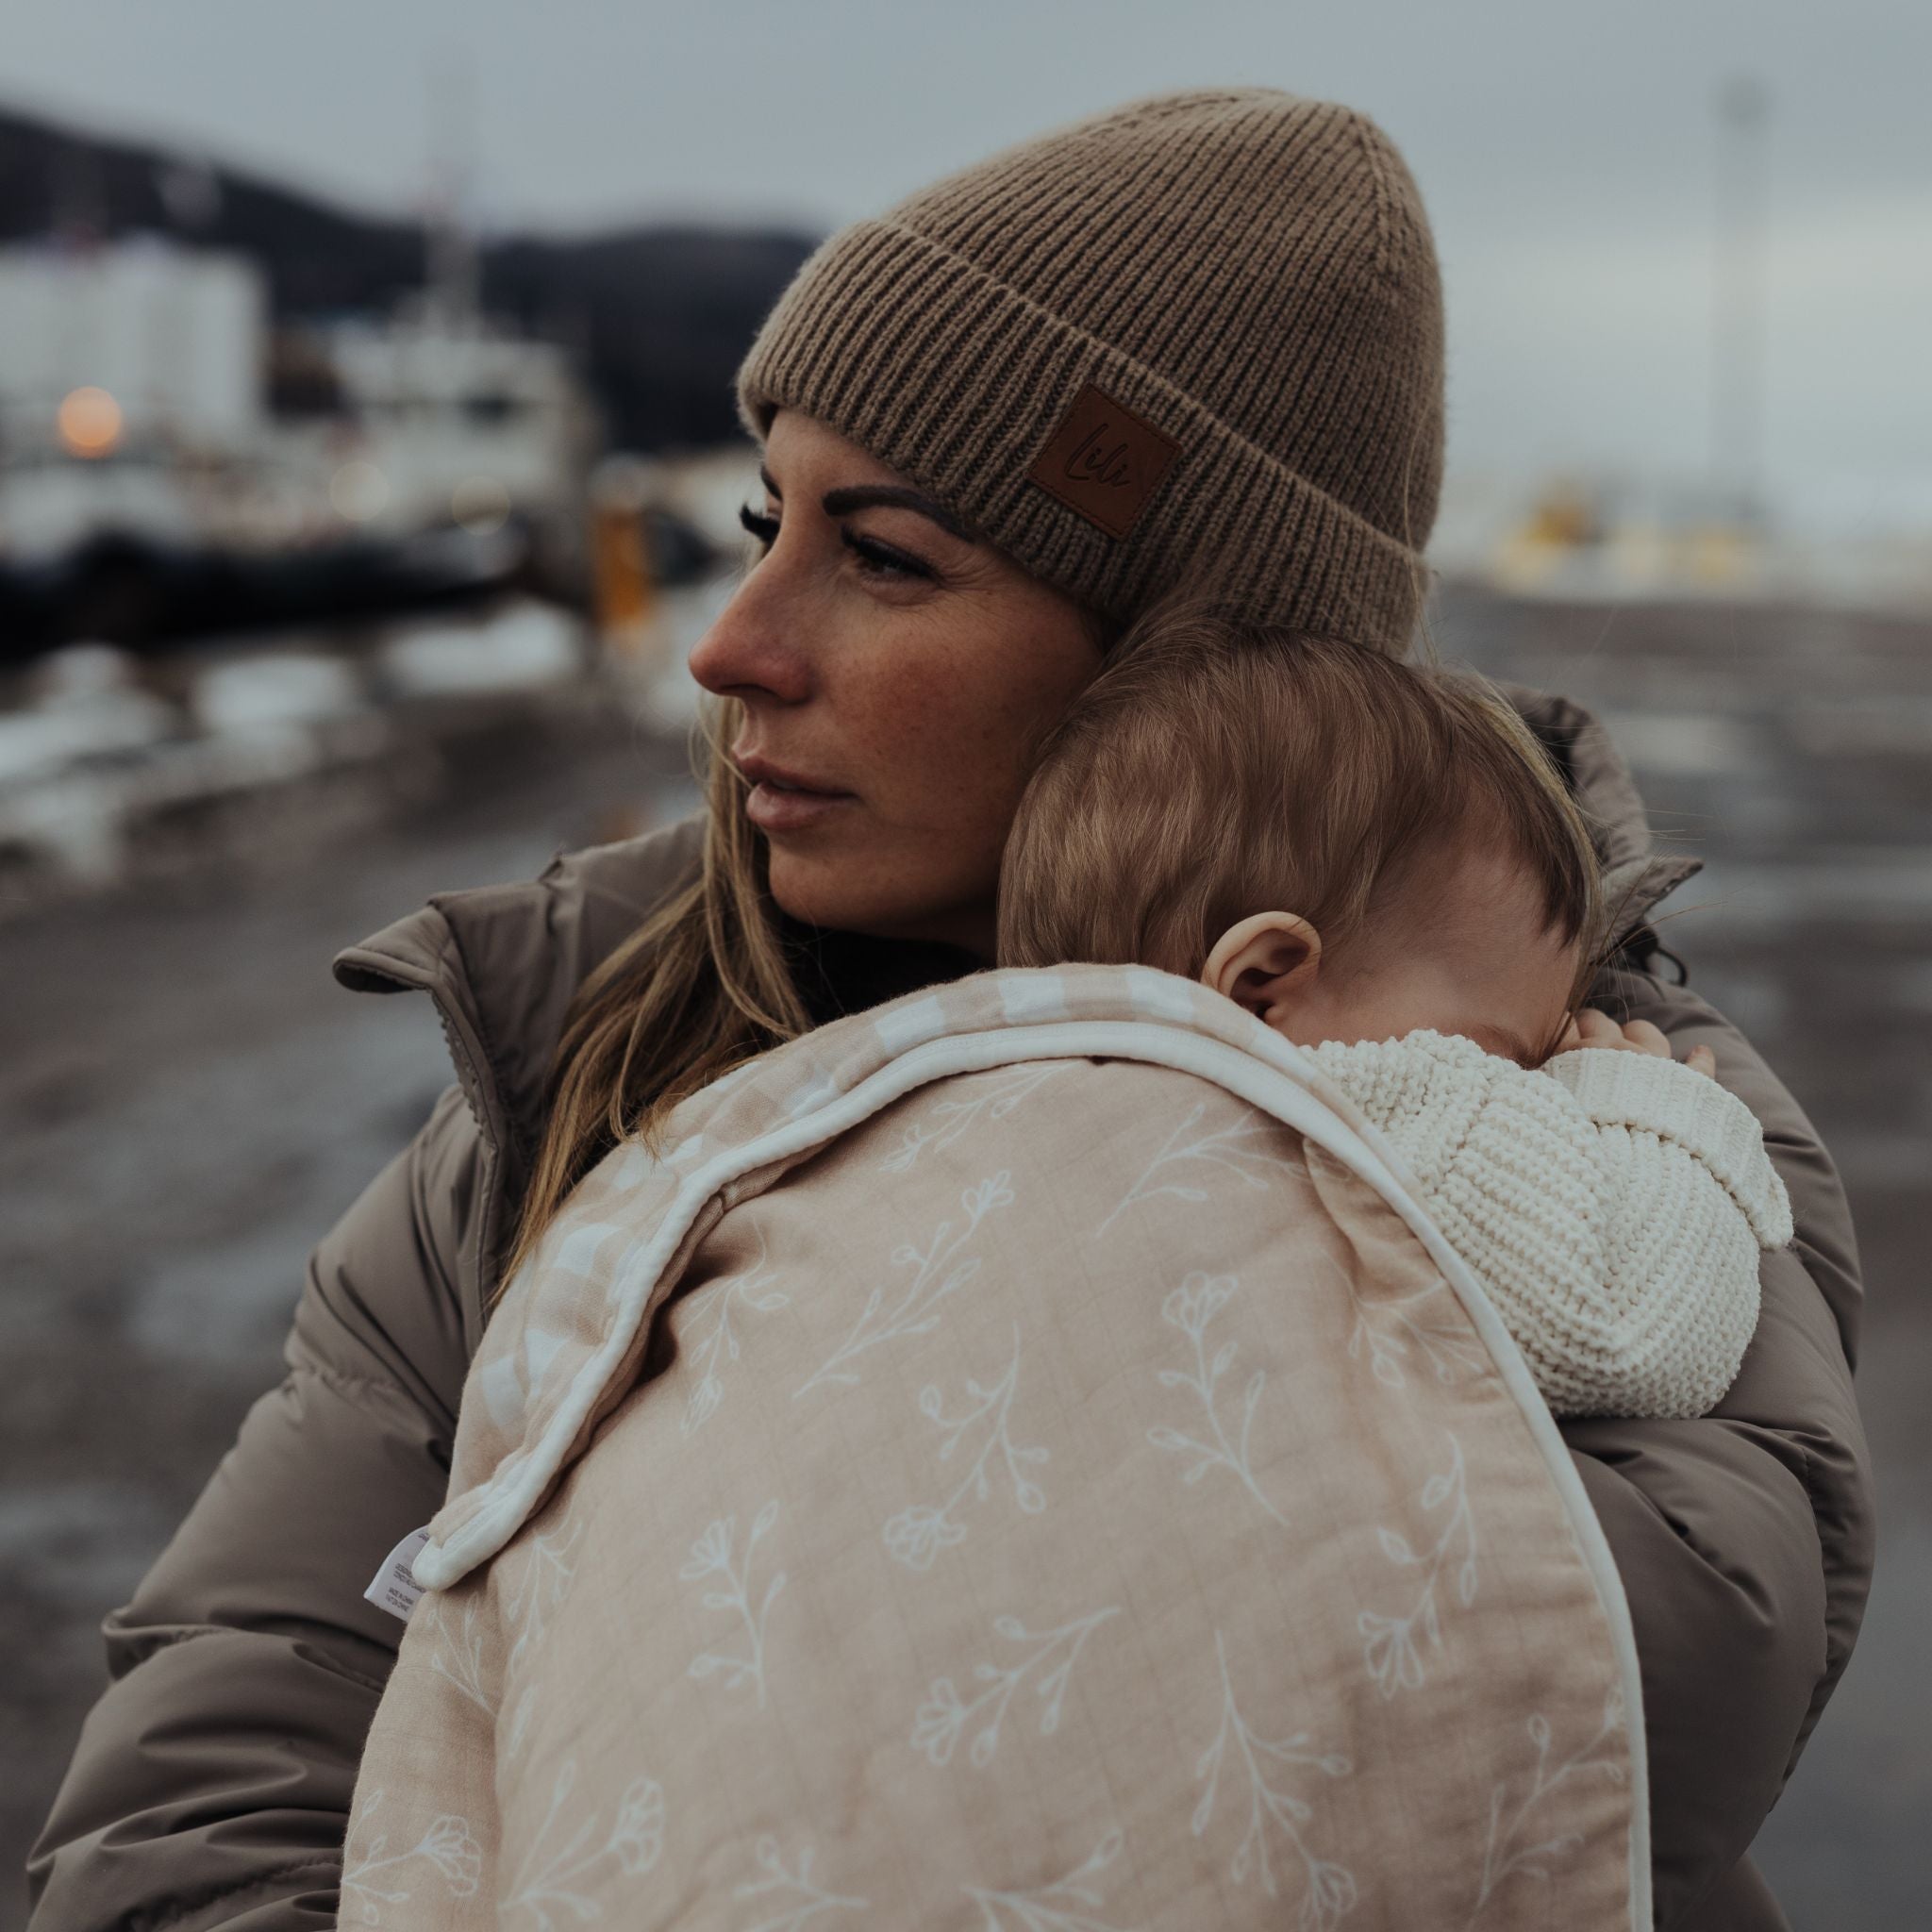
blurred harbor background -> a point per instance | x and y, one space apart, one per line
368 468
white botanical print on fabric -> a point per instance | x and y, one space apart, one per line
1067 1904
942 1123
938 1270
1392 1331
711 1340
1511 1849
459 1654
445 1848
547 1570
550 1874
524 1711
943 1719
1389 1649
1328 1890
918 1533
798 1899
1423 1330
712 1555
1241 1149
1191 1307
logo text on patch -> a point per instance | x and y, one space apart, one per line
1104 463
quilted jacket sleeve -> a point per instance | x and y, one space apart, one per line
1743 1538
212 1784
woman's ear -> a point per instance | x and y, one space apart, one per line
1264 959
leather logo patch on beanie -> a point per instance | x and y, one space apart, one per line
1104 463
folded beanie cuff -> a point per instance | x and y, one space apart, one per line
957 380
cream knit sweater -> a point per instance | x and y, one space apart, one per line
1612 1203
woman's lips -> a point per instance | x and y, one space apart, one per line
774 809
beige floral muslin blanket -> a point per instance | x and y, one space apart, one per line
1022 1461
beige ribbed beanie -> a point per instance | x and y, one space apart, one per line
1195 340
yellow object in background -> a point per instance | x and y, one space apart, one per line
625 582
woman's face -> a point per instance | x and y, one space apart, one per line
896 674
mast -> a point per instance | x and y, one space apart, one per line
451 244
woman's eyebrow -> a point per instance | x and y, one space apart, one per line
840 503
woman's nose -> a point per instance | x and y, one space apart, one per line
751 651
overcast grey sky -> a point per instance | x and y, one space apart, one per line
1566 152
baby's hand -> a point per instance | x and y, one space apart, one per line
1593 1029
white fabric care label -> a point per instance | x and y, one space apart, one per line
393 1587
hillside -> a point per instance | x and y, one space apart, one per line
658 315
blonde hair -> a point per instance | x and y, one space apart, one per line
1221 767
700 986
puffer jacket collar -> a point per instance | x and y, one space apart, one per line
1636 874
502 962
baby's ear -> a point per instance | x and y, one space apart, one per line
1263 960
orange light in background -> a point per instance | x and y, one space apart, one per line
89 421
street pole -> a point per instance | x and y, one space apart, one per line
454 281
1737 300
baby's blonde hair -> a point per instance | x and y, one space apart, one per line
1219 767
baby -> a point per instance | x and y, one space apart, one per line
1380 863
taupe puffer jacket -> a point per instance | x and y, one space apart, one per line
212 1784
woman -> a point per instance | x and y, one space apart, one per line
1196 338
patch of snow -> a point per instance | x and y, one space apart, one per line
83 671
87 707
276 688
671 695
74 821
523 647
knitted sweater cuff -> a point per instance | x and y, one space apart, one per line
1647 1093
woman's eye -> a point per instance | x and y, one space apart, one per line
874 559
882 560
